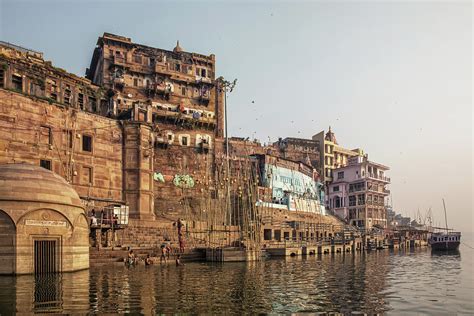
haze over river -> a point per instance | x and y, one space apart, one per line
386 282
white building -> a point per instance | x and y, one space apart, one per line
358 191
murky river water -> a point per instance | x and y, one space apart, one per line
395 283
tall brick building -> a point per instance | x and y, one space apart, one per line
174 102
144 129
146 119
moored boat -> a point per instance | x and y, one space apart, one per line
448 240
445 240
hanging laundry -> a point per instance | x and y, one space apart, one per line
183 181
196 115
157 176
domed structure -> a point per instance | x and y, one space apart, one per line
330 136
178 48
42 222
25 182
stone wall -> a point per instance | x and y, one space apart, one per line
32 131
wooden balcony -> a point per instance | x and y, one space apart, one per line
180 118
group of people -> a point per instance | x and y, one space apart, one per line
132 259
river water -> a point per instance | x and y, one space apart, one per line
415 282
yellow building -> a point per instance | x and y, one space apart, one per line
332 155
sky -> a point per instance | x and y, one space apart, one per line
393 78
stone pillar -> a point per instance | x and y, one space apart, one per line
138 169
219 110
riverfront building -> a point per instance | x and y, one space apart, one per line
294 186
332 155
358 192
142 137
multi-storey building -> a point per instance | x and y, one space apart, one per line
49 117
146 119
177 85
144 130
177 100
332 155
358 192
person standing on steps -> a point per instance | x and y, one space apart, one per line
163 253
179 224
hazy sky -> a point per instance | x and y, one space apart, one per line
392 78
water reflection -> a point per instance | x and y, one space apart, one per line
377 282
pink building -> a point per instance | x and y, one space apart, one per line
358 191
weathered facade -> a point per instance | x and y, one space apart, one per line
175 104
144 129
300 149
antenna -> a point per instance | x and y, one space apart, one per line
445 216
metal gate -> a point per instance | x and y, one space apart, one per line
45 256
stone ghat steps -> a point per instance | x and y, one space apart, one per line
107 256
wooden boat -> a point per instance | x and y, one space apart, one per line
445 240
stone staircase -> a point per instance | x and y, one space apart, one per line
111 256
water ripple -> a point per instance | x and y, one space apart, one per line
380 282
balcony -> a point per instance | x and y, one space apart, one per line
203 79
178 117
144 69
119 61
378 177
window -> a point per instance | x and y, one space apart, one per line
93 104
46 136
170 137
88 175
177 67
277 235
86 143
267 234
17 82
67 95
369 199
336 189
340 175
361 199
184 140
183 90
356 187
137 59
32 88
337 202
352 200
2 78
70 139
45 164
135 82
80 101
203 72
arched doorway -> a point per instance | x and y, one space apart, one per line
7 244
